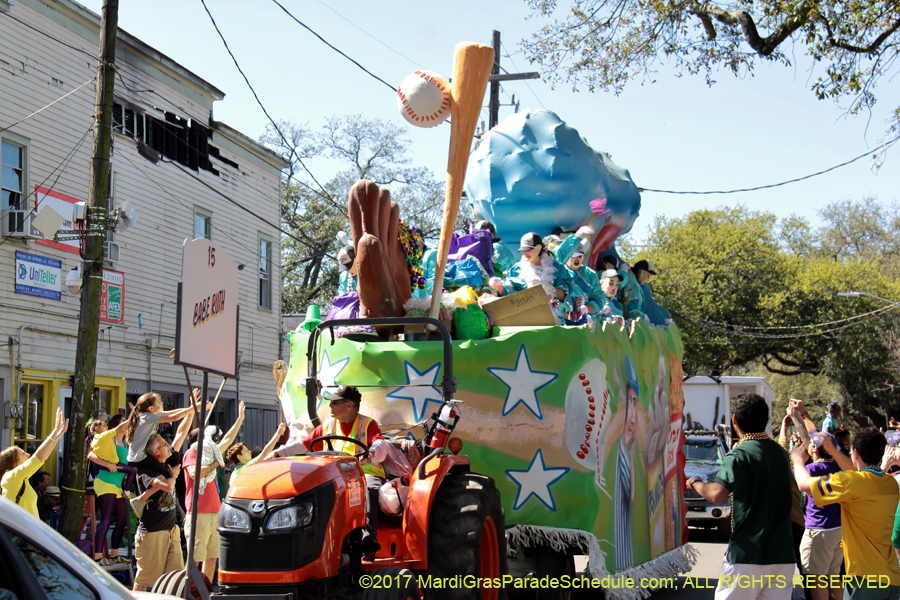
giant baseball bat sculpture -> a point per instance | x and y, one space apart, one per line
472 65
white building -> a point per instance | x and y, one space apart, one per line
210 181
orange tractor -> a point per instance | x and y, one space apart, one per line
292 528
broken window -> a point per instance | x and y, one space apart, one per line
179 139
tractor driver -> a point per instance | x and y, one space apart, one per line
346 421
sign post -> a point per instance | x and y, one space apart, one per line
206 333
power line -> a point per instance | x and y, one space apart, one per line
61 167
747 327
308 28
398 53
91 80
766 336
259 102
884 146
509 56
177 199
55 39
241 206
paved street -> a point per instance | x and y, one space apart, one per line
703 577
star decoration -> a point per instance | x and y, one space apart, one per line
536 481
523 384
419 389
328 373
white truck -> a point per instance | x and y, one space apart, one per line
707 401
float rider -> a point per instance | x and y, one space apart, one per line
502 256
348 278
346 421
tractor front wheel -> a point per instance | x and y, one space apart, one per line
467 538
174 583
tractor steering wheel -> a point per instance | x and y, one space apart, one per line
331 452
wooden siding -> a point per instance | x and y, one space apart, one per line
34 71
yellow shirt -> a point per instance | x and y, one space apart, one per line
13 480
868 504
104 446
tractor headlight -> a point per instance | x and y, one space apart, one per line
234 518
290 517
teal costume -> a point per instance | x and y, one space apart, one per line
585 281
503 258
611 308
657 314
629 285
346 283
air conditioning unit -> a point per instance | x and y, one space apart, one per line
111 252
16 223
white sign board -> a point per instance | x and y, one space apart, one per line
206 333
38 275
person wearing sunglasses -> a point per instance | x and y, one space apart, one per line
347 421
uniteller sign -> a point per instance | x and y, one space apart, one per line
207 324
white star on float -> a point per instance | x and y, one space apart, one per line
536 481
523 384
419 389
327 374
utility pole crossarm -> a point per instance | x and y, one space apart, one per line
515 76
497 77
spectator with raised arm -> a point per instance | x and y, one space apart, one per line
868 501
206 540
798 522
16 466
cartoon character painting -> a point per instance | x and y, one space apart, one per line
625 479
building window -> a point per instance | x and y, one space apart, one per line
129 122
265 273
12 176
202 224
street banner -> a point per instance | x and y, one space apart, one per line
38 275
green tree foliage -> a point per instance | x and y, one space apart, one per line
745 297
314 209
606 43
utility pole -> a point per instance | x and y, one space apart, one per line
95 224
496 78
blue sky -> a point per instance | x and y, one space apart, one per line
675 133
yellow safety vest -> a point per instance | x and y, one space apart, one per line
359 432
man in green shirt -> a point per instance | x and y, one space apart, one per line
759 562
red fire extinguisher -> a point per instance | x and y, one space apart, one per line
443 426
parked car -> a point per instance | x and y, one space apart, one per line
37 563
704 454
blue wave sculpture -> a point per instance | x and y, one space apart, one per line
532 172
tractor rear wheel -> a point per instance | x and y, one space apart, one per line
467 537
391 583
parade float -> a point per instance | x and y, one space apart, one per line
580 427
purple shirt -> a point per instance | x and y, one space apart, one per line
822 517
